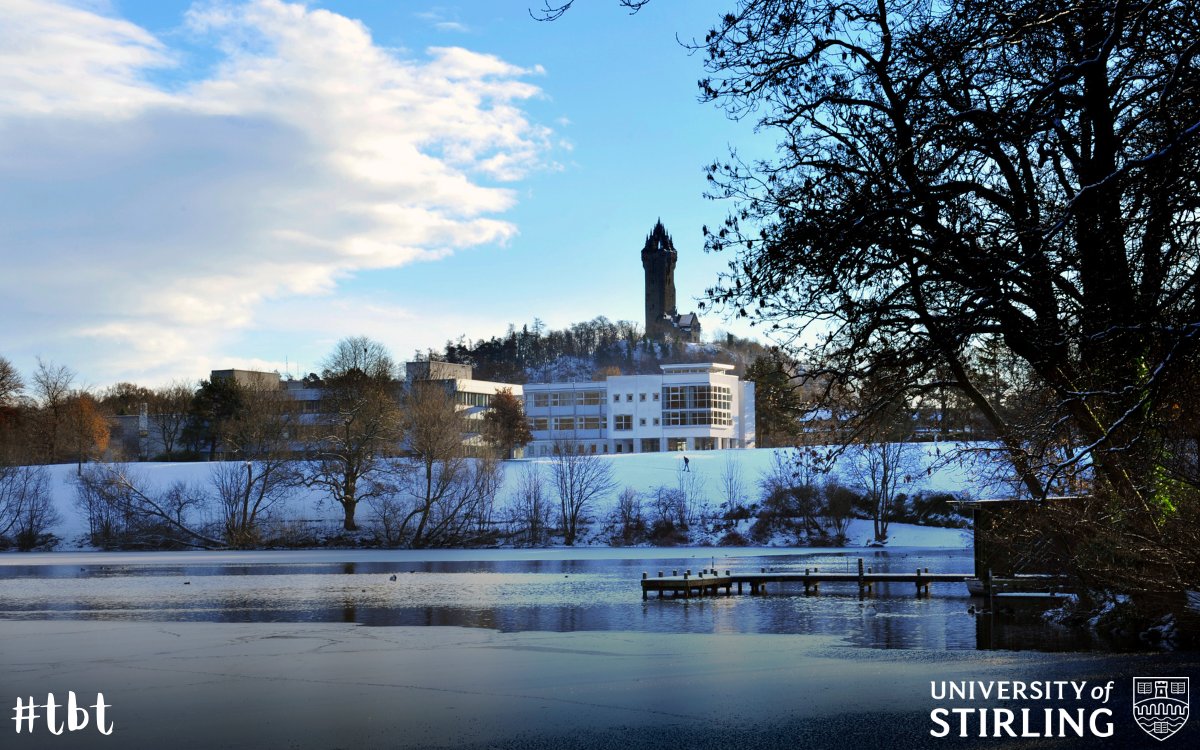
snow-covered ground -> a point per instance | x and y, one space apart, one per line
929 471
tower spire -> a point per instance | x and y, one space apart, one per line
658 260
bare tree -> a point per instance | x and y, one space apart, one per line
148 517
790 494
733 483
434 431
580 478
246 492
361 355
449 491
11 384
628 517
26 507
262 435
882 470
359 427
52 391
837 509
168 409
552 10
693 500
530 510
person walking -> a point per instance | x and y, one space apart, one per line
687 465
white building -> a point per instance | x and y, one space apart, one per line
689 407
473 398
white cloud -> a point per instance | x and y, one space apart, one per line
144 224
443 19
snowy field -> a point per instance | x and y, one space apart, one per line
930 470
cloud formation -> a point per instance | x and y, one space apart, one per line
146 215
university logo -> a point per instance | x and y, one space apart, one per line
1160 704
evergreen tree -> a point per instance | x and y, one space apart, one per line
507 427
777 402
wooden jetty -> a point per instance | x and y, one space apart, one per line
711 582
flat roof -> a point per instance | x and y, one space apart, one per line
698 367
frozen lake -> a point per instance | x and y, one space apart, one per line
514 591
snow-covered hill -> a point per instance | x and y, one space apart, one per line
929 471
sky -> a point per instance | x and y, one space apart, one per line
188 186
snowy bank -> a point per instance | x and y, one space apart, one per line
930 472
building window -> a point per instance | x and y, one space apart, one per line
697 406
590 398
642 422
539 424
616 398
656 421
623 422
641 397
628 397
541 400
651 445
464 398
676 444
697 418
564 424
698 397
656 396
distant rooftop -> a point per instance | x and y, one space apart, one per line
710 367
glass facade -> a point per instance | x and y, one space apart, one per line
697 406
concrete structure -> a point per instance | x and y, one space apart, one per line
473 397
434 370
248 378
688 407
662 319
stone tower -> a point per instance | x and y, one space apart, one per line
658 260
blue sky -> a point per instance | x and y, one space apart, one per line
187 186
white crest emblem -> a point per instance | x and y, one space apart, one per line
1160 704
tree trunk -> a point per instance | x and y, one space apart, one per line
348 522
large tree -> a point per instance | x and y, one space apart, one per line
263 436
448 493
169 408
52 392
359 425
952 171
214 405
85 428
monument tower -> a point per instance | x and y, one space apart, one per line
658 261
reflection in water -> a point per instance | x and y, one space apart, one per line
529 595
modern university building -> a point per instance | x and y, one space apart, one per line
688 407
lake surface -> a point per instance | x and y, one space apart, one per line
519 590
